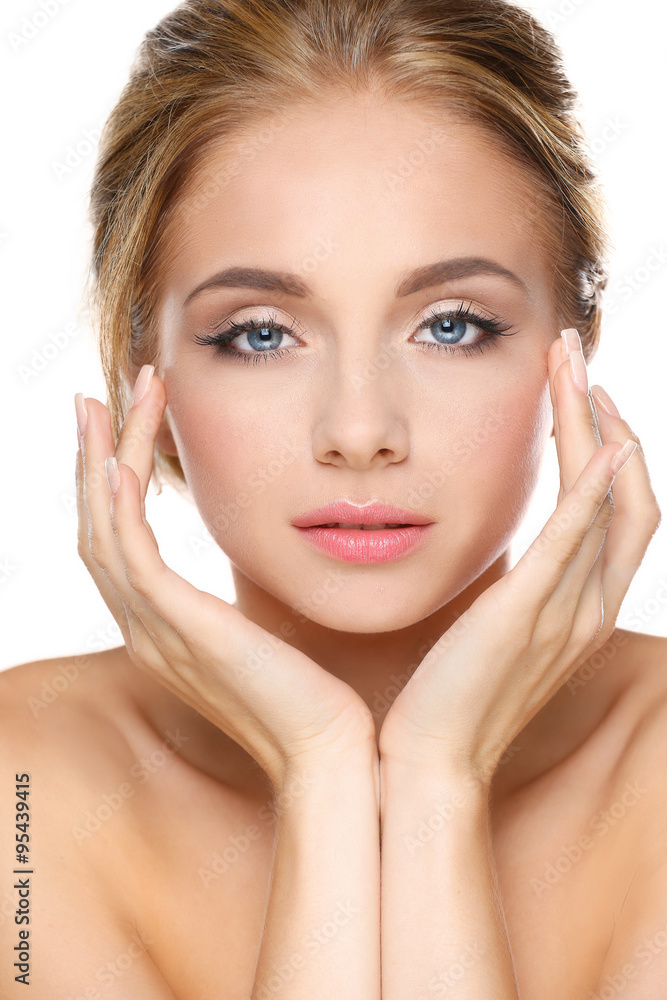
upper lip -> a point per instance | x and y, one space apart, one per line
344 512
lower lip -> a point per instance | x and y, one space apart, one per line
357 545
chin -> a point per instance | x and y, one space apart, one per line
369 608
368 621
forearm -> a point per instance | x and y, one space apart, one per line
321 937
443 930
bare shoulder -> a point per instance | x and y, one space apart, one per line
642 673
41 694
61 752
62 722
636 951
143 851
636 663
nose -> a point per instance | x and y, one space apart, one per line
360 423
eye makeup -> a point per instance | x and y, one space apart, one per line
462 316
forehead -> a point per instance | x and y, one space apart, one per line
390 185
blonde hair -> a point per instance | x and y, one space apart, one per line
213 70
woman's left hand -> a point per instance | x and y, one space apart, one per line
523 637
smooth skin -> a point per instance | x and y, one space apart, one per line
441 738
455 798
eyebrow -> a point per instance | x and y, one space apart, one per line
422 277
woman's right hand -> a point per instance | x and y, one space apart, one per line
200 647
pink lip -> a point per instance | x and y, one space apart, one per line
359 546
345 512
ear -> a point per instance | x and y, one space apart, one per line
165 439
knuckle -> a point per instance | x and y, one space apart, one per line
654 514
142 651
137 580
589 626
605 514
563 550
82 545
595 621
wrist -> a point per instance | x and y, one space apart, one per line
350 743
430 778
427 813
327 770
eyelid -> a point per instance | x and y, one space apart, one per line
452 304
246 314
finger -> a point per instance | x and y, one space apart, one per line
102 582
637 513
96 446
563 535
555 357
585 569
577 599
168 605
594 617
136 442
578 434
127 621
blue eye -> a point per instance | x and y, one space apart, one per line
260 333
451 327
263 334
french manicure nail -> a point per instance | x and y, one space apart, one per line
143 383
622 456
578 369
571 340
113 475
81 413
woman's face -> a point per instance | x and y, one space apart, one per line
360 403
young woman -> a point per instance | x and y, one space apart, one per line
348 260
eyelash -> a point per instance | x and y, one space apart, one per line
493 327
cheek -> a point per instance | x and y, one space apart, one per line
234 452
480 487
515 463
478 466
503 451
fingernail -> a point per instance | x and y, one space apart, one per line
577 363
81 413
605 401
578 369
143 383
570 338
113 476
622 456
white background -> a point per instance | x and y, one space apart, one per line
58 87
